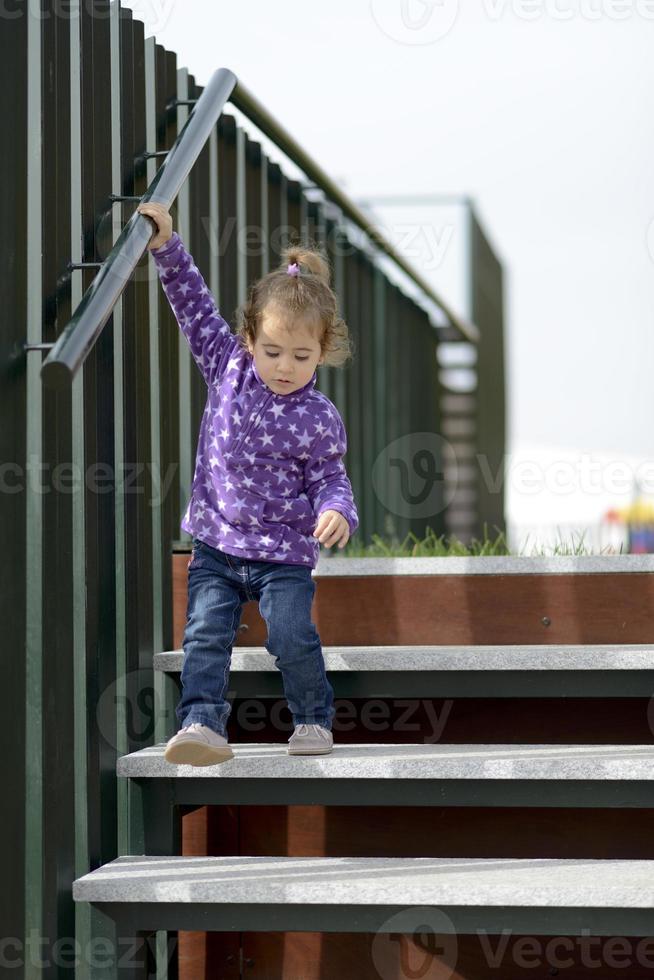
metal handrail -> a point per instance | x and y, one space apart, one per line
78 337
94 309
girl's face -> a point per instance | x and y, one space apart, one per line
285 358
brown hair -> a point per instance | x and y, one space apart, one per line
307 297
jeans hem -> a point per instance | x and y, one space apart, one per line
201 720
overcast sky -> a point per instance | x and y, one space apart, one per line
538 111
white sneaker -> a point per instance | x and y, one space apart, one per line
197 745
310 740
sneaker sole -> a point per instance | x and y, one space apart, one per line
292 751
193 754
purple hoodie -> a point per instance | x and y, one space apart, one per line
267 464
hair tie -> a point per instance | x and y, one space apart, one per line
293 269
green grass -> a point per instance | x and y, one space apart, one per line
432 546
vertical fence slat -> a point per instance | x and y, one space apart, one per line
381 391
264 188
227 301
24 400
367 363
94 420
122 79
275 193
394 420
64 780
486 286
187 365
144 138
199 245
251 235
293 211
428 392
317 231
165 125
352 376
135 324
241 217
339 382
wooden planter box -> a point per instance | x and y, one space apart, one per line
437 601
378 601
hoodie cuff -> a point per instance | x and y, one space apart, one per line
167 246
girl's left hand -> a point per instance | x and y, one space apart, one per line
332 528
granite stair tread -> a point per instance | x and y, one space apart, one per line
460 882
519 565
259 760
537 657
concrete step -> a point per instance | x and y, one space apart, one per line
598 670
356 894
407 775
333 565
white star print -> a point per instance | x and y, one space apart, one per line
288 448
304 440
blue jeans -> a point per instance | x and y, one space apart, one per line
218 586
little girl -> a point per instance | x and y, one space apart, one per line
269 486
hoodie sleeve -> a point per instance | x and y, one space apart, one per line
326 482
209 336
